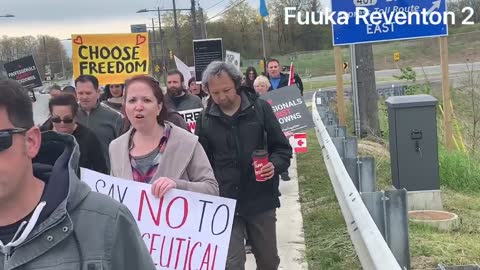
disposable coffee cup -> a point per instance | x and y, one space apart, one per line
260 159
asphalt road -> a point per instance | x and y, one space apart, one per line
454 78
430 70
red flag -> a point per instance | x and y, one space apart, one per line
291 78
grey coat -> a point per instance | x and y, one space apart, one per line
87 230
105 122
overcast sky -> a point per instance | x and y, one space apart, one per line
61 18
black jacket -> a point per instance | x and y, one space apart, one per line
284 82
229 143
89 145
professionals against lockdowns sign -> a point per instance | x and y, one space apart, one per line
112 58
289 108
24 71
182 230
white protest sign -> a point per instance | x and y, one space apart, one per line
183 230
191 116
232 58
184 69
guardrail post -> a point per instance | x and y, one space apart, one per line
389 211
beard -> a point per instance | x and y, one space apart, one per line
175 91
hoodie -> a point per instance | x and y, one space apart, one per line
72 227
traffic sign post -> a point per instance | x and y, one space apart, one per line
396 56
340 93
358 31
138 28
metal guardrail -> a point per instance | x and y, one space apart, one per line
371 248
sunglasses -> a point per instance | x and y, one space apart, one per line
57 120
6 137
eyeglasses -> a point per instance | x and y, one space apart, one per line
6 137
251 73
57 120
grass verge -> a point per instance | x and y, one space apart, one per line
328 245
428 246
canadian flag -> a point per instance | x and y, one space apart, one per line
299 142
291 78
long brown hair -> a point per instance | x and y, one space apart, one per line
157 92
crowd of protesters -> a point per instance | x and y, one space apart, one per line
134 131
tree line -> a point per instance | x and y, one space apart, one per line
45 50
238 25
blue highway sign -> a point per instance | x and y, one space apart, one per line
423 18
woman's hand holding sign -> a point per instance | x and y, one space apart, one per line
162 185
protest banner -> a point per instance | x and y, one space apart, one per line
182 230
24 71
112 58
191 116
233 58
206 51
289 108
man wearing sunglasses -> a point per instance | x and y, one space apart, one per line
49 218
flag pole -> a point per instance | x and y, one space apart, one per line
264 51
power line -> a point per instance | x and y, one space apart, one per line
226 10
214 5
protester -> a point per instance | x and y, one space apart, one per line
197 90
55 91
114 96
278 79
70 90
63 110
173 116
155 151
261 85
49 218
234 125
250 76
181 100
104 122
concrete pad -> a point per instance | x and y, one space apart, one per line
425 200
290 238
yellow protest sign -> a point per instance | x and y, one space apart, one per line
112 58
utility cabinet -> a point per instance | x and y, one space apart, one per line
413 142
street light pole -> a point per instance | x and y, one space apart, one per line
162 47
175 23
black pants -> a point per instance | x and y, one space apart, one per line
262 235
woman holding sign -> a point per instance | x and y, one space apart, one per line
154 150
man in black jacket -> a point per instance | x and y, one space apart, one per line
234 125
279 79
